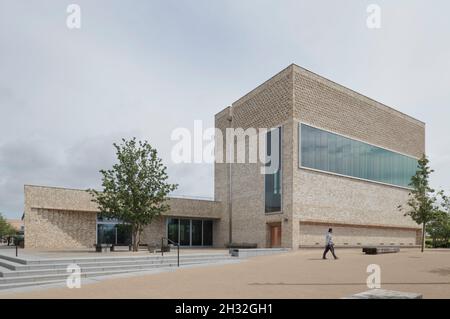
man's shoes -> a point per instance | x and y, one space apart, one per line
323 258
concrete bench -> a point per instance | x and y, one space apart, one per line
121 248
251 252
385 294
102 248
241 245
375 250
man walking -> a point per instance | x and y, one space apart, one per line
329 245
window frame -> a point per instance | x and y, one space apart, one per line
190 219
281 173
300 166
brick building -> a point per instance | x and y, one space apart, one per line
345 162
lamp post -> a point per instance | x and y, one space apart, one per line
230 159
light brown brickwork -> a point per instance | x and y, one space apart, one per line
267 106
314 235
59 229
325 197
221 184
153 233
296 95
325 104
61 218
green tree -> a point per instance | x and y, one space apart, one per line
6 229
439 227
421 204
135 189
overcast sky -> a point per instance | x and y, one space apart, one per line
144 68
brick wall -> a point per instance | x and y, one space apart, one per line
314 235
267 106
330 106
324 197
294 95
60 218
56 229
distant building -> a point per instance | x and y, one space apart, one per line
17 224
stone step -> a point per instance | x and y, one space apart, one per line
28 284
84 263
61 268
12 259
6 281
34 280
101 259
8 265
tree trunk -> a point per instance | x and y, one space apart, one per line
138 239
423 236
135 239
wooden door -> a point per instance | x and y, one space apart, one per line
275 236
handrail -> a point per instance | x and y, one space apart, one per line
174 243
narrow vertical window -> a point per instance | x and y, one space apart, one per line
272 178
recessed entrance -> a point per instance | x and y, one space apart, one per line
275 235
190 232
112 231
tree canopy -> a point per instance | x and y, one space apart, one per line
421 205
136 188
6 229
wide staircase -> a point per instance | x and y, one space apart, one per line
16 272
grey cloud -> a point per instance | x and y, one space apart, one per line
39 162
192 179
146 68
21 161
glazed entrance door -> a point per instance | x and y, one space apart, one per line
275 236
114 234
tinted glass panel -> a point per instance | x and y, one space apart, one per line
196 232
272 180
185 232
106 234
190 232
207 233
172 229
123 234
337 154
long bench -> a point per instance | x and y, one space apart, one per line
251 252
121 248
103 248
385 294
375 250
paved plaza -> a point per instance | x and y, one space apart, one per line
296 274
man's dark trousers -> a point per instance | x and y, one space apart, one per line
329 248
